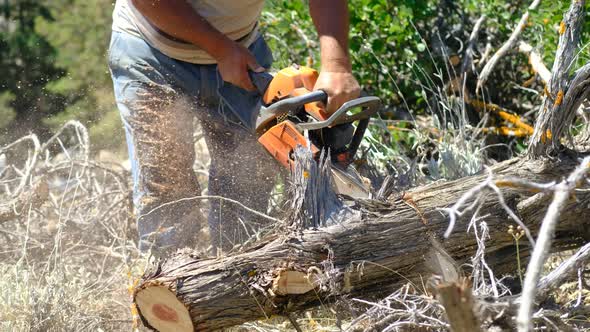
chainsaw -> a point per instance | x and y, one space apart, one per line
294 115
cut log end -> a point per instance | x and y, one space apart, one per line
162 310
293 282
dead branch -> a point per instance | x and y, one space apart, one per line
467 65
404 309
564 272
557 111
563 191
64 190
508 45
536 61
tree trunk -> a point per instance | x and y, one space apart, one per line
368 257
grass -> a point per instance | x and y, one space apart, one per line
68 300
64 266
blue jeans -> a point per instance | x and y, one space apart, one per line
158 98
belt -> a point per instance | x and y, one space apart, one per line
178 40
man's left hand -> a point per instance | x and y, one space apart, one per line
341 86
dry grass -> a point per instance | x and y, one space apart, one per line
68 265
65 265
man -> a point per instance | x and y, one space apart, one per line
172 60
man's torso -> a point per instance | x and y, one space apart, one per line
237 19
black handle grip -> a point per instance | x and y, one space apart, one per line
262 80
294 103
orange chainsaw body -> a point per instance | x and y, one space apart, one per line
292 82
294 115
283 137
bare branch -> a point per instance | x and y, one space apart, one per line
559 105
563 191
474 195
508 45
467 64
536 61
213 197
564 271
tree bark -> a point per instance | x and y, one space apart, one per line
364 258
457 299
565 92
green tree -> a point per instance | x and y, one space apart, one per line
81 31
398 46
27 63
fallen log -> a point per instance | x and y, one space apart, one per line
368 257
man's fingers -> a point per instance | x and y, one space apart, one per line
234 67
335 102
254 66
331 105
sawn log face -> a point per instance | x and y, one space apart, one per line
367 257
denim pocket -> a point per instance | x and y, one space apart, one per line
243 104
262 52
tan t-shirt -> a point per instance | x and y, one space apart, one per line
237 19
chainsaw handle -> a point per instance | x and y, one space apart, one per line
293 104
371 105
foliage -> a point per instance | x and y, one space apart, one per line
383 41
406 52
27 63
82 45
389 41
52 54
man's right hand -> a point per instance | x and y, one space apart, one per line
233 63
178 19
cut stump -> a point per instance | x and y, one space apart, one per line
161 309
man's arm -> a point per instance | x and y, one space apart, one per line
178 19
330 18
